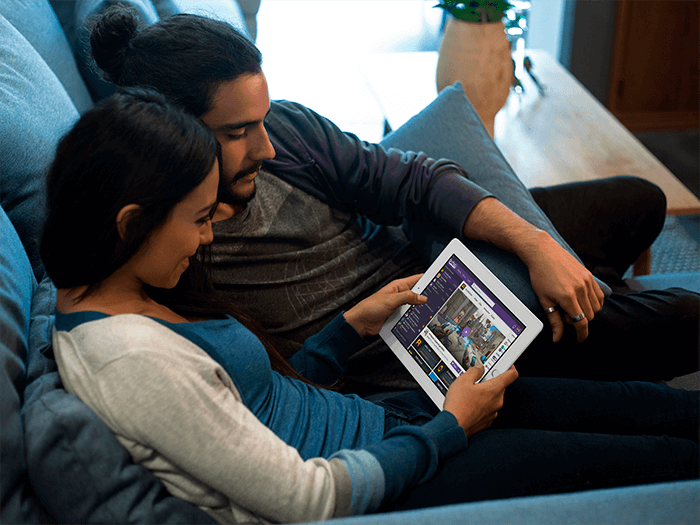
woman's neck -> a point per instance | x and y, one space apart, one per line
113 299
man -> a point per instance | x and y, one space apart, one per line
323 220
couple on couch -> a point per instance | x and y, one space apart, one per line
307 232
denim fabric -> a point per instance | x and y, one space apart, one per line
408 408
562 435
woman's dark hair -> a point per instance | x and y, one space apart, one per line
132 148
185 57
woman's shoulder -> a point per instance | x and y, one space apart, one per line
101 339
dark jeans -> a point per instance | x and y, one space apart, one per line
607 222
647 336
562 435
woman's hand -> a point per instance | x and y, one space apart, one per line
368 316
476 405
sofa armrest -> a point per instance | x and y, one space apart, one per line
676 502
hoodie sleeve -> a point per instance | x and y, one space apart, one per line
385 185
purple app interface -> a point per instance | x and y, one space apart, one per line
462 324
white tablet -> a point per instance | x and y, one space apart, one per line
470 318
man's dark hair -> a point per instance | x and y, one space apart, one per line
185 57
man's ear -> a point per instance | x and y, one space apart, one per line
127 213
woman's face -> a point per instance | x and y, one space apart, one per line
165 255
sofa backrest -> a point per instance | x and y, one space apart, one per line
35 112
38 23
17 285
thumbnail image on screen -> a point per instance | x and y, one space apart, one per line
462 325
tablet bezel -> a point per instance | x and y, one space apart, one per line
533 326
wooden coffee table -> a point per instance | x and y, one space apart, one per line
564 136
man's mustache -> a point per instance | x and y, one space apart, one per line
248 171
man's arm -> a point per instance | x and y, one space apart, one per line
385 185
388 186
558 279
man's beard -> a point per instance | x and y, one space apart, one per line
226 194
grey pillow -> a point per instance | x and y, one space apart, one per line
17 285
450 128
223 10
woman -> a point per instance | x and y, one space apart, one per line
190 388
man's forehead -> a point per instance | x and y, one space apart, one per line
239 102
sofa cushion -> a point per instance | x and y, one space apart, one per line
224 10
433 131
38 23
85 10
82 474
250 12
17 285
35 111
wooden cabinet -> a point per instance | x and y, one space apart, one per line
655 74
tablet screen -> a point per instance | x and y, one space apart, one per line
462 324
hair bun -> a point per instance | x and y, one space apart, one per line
110 39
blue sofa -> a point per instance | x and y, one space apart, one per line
59 462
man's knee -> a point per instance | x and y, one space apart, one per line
630 188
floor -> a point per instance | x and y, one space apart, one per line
677 250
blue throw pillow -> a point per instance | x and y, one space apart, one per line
450 128
223 10
35 112
17 285
38 23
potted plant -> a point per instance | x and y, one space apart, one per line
476 52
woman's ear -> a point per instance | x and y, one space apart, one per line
127 213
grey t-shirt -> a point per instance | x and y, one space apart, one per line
295 263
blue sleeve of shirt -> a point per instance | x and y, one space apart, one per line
322 358
406 456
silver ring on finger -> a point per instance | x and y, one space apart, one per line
550 310
579 317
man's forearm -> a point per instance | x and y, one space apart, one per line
491 221
562 285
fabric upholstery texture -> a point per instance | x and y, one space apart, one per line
224 10
34 19
17 285
35 111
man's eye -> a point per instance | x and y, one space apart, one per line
238 136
